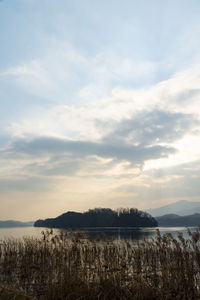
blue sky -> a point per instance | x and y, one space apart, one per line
99 105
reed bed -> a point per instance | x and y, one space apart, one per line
74 266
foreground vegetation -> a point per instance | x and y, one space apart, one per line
76 267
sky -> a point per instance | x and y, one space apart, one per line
99 105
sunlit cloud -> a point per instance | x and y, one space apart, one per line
98 113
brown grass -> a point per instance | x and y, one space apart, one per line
76 267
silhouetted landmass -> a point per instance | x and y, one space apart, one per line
173 220
100 217
12 224
181 208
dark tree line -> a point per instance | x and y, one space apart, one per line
100 217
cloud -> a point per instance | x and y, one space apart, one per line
91 121
65 74
24 184
88 136
109 148
50 146
95 113
156 186
154 127
32 77
69 165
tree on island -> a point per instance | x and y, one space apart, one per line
100 217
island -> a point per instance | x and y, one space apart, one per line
100 217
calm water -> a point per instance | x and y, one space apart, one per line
116 233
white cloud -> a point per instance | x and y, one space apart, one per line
179 94
31 76
63 74
92 122
115 93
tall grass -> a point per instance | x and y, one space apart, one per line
74 266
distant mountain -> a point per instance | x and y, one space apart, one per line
181 208
173 220
12 224
100 217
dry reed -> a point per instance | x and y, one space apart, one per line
74 266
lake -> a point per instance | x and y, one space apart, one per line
110 232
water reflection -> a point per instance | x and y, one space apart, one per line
117 233
130 233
